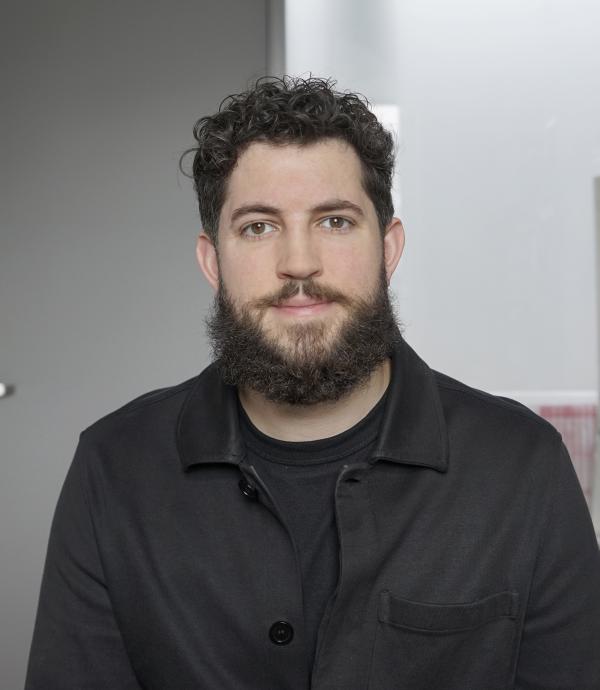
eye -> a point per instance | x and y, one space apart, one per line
257 229
336 223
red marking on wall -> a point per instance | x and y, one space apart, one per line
577 426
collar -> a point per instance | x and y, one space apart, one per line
413 430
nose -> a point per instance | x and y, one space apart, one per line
299 257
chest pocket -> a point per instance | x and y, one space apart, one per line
421 646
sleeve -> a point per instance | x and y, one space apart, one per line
76 641
560 645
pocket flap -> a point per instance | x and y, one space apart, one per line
446 617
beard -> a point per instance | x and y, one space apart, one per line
310 363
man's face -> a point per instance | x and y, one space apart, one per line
301 268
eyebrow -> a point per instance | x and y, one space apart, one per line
333 205
254 208
329 206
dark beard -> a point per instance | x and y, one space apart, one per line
312 370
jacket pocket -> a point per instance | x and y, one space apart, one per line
421 646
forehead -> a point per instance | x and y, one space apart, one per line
292 175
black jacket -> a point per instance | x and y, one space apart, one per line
468 560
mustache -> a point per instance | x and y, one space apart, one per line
308 287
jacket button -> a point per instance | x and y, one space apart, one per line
247 489
281 632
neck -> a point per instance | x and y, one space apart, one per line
311 422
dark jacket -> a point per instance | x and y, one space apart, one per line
468 560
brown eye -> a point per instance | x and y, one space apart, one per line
336 223
257 229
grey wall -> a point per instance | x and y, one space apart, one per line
100 299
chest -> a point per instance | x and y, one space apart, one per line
202 573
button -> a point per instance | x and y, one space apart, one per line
281 633
249 490
352 478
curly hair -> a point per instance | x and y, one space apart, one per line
288 110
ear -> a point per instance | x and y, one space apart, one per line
206 254
393 246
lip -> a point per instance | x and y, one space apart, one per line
302 307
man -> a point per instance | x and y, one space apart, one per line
317 508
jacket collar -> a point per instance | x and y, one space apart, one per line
208 428
413 430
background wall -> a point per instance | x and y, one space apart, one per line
500 142
100 298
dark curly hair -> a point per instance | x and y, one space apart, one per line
290 110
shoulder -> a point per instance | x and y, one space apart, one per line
463 404
149 416
502 454
146 404
137 440
498 438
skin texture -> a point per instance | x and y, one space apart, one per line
298 215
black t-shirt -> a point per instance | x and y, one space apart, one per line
301 476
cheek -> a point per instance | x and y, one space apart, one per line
244 279
357 268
